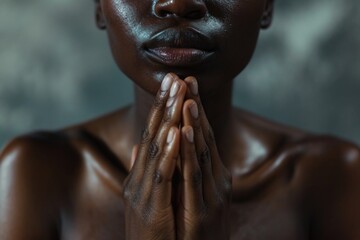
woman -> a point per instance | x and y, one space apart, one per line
242 178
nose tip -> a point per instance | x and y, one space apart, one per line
190 9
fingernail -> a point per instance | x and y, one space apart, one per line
190 135
166 83
174 89
194 110
170 102
194 87
170 136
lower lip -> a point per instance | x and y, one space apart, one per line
178 56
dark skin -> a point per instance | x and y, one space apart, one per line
200 169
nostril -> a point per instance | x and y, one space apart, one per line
190 15
164 13
190 9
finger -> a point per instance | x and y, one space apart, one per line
161 182
193 92
156 147
170 119
209 137
153 122
173 109
191 118
130 179
142 193
192 192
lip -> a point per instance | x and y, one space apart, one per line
179 47
178 56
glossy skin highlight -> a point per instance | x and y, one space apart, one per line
218 172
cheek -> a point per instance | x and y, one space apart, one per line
125 36
243 23
121 26
120 22
120 13
246 16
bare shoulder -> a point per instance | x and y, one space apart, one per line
270 128
39 156
321 147
54 152
324 149
51 155
322 174
327 183
38 146
328 163
319 161
37 173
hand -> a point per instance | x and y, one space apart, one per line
206 183
147 190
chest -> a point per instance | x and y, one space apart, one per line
94 215
99 215
273 217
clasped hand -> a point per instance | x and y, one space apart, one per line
177 138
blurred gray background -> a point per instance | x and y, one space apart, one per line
56 68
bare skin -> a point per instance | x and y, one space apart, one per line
200 169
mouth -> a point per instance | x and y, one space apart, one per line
179 47
178 56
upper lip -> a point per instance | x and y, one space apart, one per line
181 38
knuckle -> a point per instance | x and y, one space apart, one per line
167 117
135 199
127 188
205 157
153 150
159 101
145 136
128 194
158 177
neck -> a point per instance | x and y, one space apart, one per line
217 106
